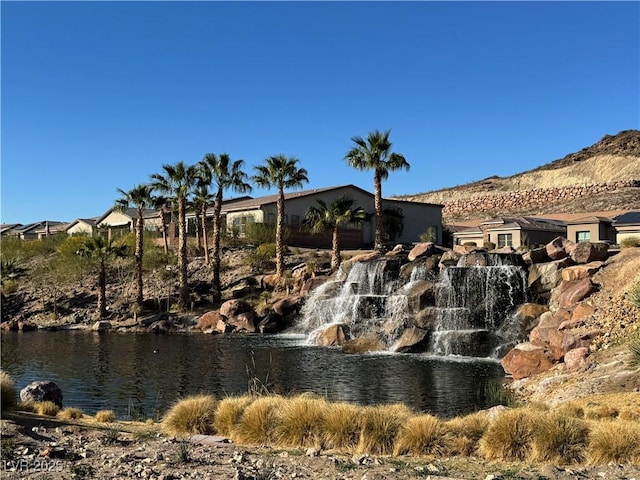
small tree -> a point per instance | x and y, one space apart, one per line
102 251
331 217
283 173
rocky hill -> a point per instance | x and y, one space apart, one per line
604 176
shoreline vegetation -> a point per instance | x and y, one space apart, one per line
597 430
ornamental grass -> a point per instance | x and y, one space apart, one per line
192 415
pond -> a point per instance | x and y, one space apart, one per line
141 375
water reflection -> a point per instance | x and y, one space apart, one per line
121 371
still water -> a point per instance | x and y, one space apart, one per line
141 375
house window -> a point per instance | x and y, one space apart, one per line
286 219
295 219
240 224
504 240
583 236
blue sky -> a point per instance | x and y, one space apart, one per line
99 95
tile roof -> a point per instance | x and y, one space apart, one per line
627 218
589 219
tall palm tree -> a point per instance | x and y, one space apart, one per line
223 174
331 217
200 203
178 182
139 197
375 154
159 202
102 250
281 172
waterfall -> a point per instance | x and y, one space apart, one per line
469 309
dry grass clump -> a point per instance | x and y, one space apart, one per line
105 416
615 441
229 412
423 435
560 439
341 426
70 413
258 421
191 415
466 433
509 436
8 392
380 425
47 408
299 421
599 412
571 409
28 406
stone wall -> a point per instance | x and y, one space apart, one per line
526 199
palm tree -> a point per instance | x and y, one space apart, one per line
223 174
200 202
281 172
102 250
139 197
159 202
375 154
331 217
178 182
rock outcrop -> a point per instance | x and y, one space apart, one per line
42 391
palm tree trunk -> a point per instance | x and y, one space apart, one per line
217 223
102 290
139 256
198 226
205 240
279 234
377 202
164 232
183 295
336 259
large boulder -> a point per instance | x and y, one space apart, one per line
274 323
528 315
312 283
585 252
559 248
209 321
576 359
578 272
243 322
334 335
425 249
474 259
363 344
42 391
427 318
525 360
548 335
544 277
412 340
582 311
420 294
231 308
536 255
570 293
288 305
449 259
162 326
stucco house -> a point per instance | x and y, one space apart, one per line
120 222
418 217
591 229
38 230
81 226
514 232
627 225
9 229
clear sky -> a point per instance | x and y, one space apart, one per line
99 95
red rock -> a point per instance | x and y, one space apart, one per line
585 252
449 259
243 322
208 321
421 250
231 308
570 293
578 272
528 315
582 311
558 248
334 335
363 344
576 359
525 360
288 305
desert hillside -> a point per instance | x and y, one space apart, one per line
604 176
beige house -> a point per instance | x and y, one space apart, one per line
418 217
591 229
118 223
38 230
81 226
627 225
514 232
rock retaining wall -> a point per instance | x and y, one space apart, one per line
525 199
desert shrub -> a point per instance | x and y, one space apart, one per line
10 269
28 406
341 426
380 425
70 246
229 412
489 245
497 394
466 433
630 242
634 349
571 410
9 286
599 412
423 435
616 441
70 413
47 408
8 392
634 295
258 421
261 258
430 235
105 416
560 439
469 244
259 233
299 421
509 436
192 415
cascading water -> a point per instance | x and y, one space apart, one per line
467 310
